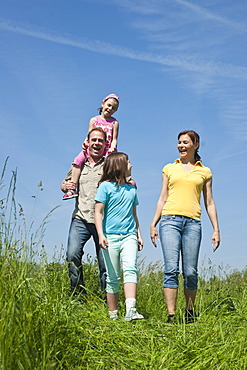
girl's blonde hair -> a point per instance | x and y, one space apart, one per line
115 168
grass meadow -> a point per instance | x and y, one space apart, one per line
42 327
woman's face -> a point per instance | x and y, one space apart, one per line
186 147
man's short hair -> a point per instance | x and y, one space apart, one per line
96 129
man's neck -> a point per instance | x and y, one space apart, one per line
94 160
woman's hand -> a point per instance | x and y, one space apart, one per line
140 244
215 240
154 235
103 242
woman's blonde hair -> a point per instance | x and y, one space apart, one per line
115 168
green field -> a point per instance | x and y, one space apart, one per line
42 327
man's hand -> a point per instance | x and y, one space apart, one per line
68 185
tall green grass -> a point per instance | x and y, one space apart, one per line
42 327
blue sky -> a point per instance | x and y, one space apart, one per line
175 64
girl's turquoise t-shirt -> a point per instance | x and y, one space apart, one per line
118 212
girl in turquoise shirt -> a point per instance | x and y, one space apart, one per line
119 232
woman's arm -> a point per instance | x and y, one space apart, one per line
98 217
139 236
212 213
160 204
114 137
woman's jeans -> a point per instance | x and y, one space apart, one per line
124 246
180 233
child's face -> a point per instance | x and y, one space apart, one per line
109 107
129 166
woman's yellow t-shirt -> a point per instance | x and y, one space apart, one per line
184 189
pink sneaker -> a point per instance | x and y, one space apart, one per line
70 194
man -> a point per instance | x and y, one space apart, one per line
82 225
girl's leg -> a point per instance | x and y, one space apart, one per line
80 159
129 249
76 173
112 301
112 263
77 163
130 290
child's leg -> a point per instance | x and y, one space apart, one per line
112 263
129 261
80 159
76 173
112 301
130 290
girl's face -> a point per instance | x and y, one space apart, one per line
129 166
109 107
186 147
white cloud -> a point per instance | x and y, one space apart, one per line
206 14
185 63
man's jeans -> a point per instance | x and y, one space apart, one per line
180 234
80 232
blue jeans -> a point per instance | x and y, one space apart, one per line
79 233
180 233
124 246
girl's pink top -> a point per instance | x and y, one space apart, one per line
106 125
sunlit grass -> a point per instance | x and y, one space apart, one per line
42 327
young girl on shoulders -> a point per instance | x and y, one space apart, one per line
110 125
119 232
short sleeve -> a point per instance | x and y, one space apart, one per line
166 169
101 195
208 174
136 202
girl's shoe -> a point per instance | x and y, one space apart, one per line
70 194
132 314
113 315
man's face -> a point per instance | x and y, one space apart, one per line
96 144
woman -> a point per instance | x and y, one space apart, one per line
179 209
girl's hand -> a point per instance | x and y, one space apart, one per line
131 182
85 145
111 150
140 244
154 235
103 242
215 240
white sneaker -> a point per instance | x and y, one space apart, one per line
113 315
132 314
